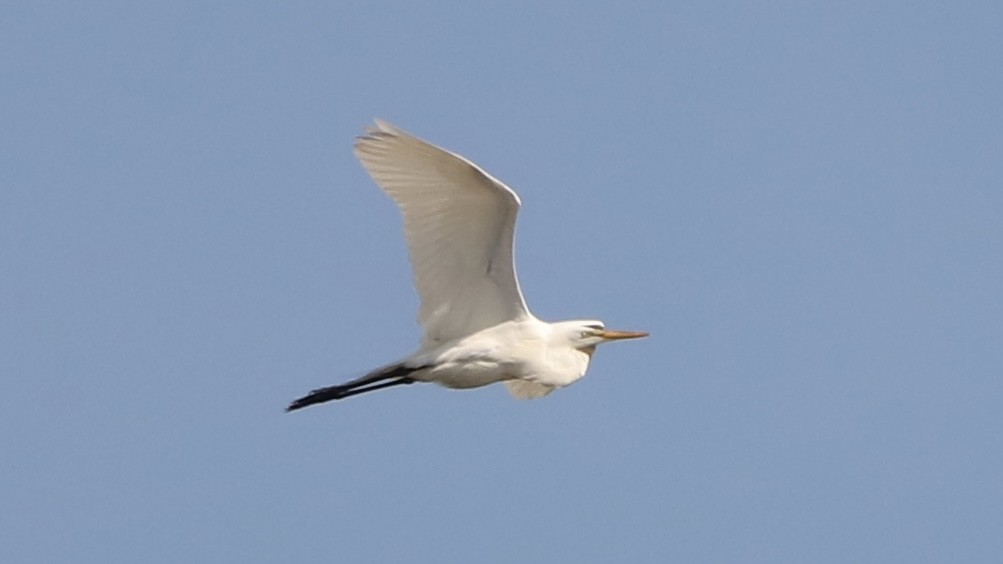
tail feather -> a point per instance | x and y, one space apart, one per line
392 375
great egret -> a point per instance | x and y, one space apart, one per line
459 222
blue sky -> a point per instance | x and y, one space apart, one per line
800 202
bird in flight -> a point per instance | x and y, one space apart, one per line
459 222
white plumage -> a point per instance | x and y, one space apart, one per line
459 222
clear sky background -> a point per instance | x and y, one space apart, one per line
801 202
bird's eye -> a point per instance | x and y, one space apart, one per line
586 334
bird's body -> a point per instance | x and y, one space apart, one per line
460 223
520 350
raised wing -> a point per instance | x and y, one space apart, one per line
459 222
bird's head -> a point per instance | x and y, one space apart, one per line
585 335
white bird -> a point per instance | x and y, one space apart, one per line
459 222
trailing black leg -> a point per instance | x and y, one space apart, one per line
385 378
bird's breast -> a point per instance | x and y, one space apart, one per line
560 368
